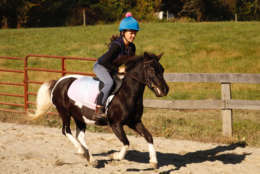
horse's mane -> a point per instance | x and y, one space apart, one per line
127 59
133 59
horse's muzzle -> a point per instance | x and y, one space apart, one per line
162 91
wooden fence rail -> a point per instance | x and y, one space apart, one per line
226 104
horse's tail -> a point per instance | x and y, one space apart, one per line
43 99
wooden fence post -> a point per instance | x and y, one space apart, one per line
227 121
25 81
84 16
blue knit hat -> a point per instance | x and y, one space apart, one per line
129 23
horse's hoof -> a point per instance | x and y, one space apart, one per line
111 157
94 163
115 156
154 165
80 151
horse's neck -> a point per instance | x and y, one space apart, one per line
134 85
133 92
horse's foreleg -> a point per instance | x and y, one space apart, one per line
139 128
80 134
120 133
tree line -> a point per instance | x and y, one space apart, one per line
47 13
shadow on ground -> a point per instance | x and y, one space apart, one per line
179 161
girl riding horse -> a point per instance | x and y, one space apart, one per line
120 46
126 108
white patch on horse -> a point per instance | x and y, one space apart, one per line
121 76
109 99
88 121
78 104
121 155
152 152
158 90
81 138
75 143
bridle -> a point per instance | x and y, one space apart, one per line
144 81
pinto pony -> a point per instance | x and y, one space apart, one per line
126 108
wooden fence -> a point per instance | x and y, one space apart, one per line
226 104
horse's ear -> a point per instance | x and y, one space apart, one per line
146 54
160 55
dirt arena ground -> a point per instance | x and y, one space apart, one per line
43 150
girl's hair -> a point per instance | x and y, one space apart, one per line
115 37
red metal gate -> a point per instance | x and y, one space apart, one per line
26 81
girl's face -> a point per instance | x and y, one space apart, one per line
129 36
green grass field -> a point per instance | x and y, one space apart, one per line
216 47
188 47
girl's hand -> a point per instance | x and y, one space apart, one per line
121 68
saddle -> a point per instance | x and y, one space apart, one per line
85 89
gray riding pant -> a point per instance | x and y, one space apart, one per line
103 75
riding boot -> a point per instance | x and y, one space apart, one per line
99 112
100 109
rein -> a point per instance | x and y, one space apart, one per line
145 81
132 76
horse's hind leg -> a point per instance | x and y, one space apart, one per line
120 133
80 134
67 131
139 128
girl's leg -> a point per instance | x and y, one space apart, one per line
102 73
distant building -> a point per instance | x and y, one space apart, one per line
159 15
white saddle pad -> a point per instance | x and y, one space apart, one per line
84 91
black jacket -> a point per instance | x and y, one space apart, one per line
117 48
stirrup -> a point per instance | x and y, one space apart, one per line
100 109
99 112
